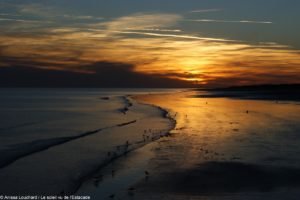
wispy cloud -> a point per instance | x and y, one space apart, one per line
176 36
229 21
205 10
9 15
142 21
156 30
82 17
37 9
25 20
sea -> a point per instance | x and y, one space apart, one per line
53 139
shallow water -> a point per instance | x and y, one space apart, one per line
52 139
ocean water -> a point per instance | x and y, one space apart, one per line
52 139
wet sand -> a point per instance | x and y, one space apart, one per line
226 148
220 149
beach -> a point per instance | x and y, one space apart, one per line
169 144
221 148
224 148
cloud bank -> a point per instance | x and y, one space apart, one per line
105 74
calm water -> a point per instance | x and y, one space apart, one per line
51 139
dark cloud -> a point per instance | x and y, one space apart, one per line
254 78
106 74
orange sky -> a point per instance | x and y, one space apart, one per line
153 46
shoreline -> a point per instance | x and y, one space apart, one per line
166 113
140 146
130 127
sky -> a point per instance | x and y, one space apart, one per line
142 43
